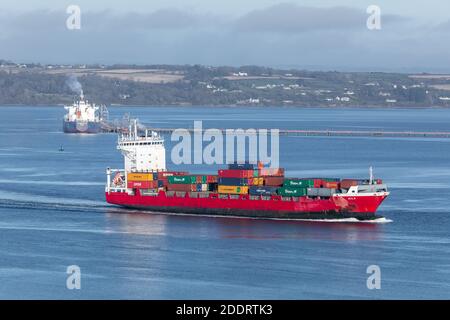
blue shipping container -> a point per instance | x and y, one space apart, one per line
233 181
262 190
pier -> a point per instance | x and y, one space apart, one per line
333 133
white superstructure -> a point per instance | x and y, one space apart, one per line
142 153
82 111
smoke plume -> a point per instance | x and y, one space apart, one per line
74 85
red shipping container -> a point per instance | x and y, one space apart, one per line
142 184
179 187
319 183
273 181
231 173
211 179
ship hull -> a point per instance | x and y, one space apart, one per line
336 207
81 127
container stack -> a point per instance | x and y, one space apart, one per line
236 179
142 180
151 180
241 179
192 183
316 187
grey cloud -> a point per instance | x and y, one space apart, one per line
280 35
291 18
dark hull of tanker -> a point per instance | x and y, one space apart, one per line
278 215
81 127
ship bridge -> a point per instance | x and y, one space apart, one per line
142 153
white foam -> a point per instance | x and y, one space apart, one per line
343 220
19 197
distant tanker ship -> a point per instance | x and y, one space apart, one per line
243 189
82 117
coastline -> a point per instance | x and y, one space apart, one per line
371 107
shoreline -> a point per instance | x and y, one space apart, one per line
239 106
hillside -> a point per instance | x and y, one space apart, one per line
35 84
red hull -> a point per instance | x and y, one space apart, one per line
336 207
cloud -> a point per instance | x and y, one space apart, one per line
291 18
285 34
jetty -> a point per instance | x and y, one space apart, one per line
330 133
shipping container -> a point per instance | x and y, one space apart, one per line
211 178
255 182
142 184
262 191
233 189
268 172
241 166
235 173
182 179
212 187
134 176
179 187
300 183
165 174
233 182
331 185
273 181
292 192
255 173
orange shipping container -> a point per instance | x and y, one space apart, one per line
233 189
134 176
331 185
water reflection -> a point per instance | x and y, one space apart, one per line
189 226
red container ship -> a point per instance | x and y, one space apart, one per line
242 190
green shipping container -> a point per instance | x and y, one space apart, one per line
255 173
298 183
292 192
182 179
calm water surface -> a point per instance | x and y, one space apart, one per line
53 214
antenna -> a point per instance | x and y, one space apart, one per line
370 175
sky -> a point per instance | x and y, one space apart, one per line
305 34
